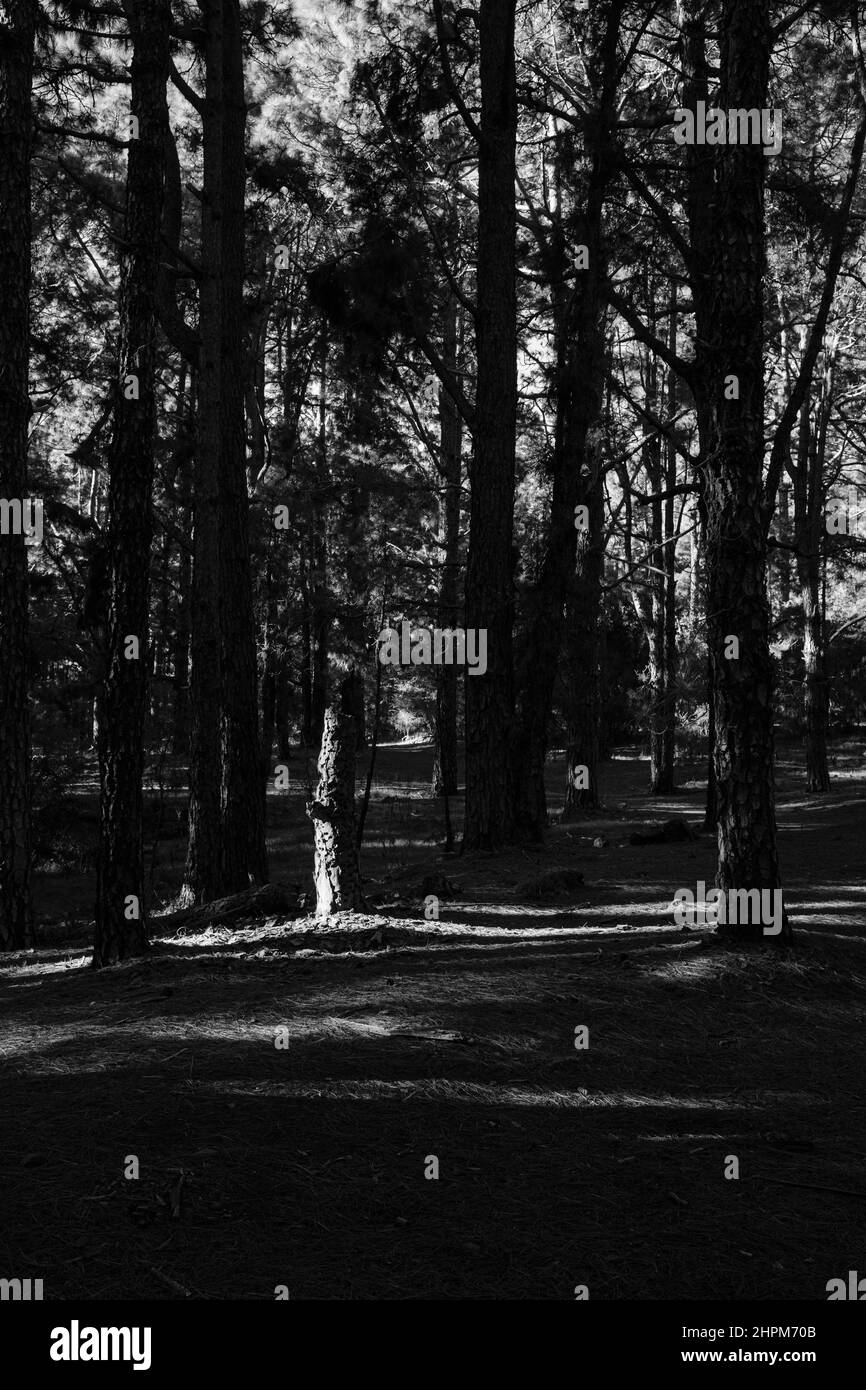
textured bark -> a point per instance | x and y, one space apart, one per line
121 927
579 319
450 455
733 486
203 878
337 879
489 578
227 786
16 71
244 857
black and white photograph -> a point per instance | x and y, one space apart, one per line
432 669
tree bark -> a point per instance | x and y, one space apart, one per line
337 877
490 573
203 877
121 926
227 785
16 129
244 857
733 486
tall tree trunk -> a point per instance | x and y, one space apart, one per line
121 926
16 128
737 610
244 857
204 878
490 570
227 801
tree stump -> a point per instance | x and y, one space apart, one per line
336 873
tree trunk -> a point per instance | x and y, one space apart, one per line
121 926
203 878
244 857
737 610
490 570
337 878
16 126
227 802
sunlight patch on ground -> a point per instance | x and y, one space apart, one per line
433 1089
32 965
704 968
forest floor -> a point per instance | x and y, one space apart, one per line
304 1165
